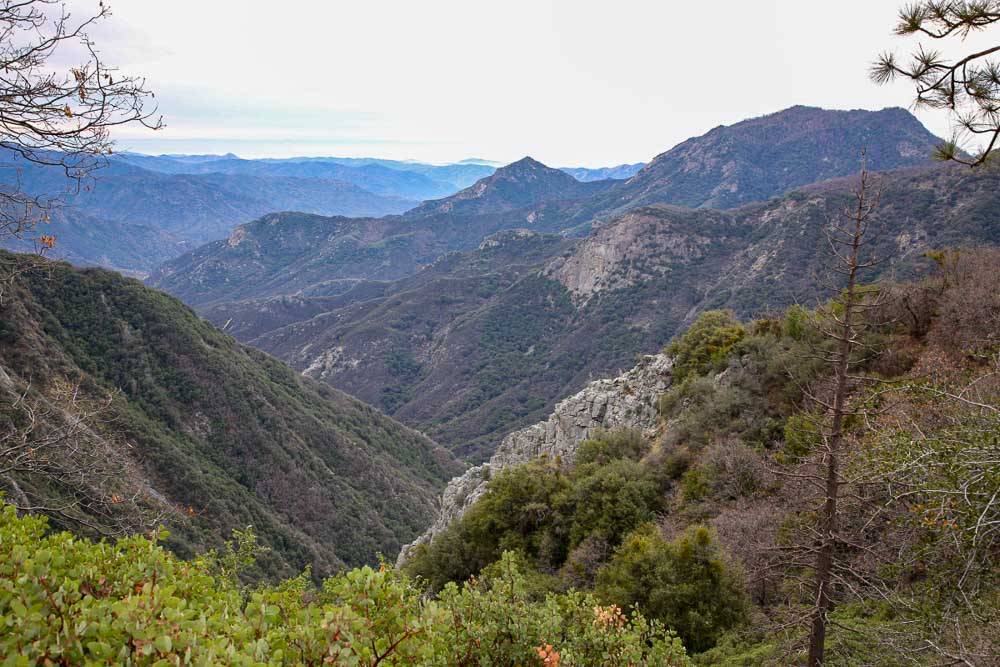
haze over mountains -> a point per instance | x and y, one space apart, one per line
651 391
551 270
345 368
142 210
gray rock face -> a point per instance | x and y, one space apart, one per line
636 247
627 401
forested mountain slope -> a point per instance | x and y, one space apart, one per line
701 511
484 342
729 166
291 253
210 435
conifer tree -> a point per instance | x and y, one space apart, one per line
968 86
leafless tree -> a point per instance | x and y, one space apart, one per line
845 324
968 86
61 455
53 115
936 463
914 484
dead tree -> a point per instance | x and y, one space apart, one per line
845 325
61 454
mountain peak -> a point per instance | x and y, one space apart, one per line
519 184
527 162
758 158
529 168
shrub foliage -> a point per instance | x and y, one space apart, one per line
67 600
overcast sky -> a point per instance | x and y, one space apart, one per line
574 82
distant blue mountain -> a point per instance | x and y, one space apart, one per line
391 178
142 210
131 218
620 172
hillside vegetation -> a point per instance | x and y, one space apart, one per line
486 341
58 594
709 526
210 435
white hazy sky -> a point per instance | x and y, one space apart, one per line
570 82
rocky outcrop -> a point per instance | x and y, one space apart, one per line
505 237
636 247
627 401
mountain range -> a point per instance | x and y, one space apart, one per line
485 340
620 172
631 384
465 317
294 253
469 316
130 218
139 211
413 181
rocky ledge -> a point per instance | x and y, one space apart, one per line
627 401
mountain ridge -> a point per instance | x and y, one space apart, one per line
177 211
770 146
471 346
531 195
220 435
520 184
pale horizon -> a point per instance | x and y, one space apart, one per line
569 83
467 160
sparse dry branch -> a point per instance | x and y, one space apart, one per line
60 456
52 116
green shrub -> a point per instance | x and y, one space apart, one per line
65 600
705 345
802 435
604 446
696 484
609 501
683 583
675 464
519 512
795 324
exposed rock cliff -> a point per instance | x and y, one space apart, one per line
627 401
637 247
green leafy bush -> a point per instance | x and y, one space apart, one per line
608 501
696 483
706 344
604 446
65 600
803 434
543 510
519 513
683 583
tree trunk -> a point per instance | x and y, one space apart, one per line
846 341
